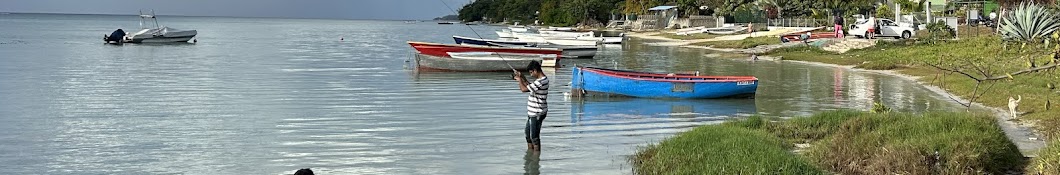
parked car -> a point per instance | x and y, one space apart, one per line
887 28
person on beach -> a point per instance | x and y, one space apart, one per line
536 105
872 28
838 26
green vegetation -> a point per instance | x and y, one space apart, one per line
1048 160
933 143
741 44
715 149
570 12
845 142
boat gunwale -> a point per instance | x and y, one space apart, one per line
494 41
416 43
659 77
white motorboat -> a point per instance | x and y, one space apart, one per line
159 34
565 34
506 33
547 60
568 51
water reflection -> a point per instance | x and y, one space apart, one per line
532 162
639 114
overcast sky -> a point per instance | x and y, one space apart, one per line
343 9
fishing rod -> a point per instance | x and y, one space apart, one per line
480 36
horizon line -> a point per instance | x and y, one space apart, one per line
270 17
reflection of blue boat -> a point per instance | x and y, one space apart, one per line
624 109
590 81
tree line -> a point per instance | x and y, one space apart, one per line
571 12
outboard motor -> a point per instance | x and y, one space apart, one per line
117 36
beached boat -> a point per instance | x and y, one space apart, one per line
481 61
591 81
725 30
798 36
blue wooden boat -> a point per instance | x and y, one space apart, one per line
591 81
488 42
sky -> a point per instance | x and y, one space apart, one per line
337 9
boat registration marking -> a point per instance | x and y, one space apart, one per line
744 83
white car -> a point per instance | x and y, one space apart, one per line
887 29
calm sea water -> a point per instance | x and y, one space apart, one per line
269 96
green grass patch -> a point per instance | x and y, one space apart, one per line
688 37
741 44
932 143
1048 160
716 149
844 142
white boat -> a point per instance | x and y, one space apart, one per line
547 60
566 34
505 34
568 51
574 42
725 30
518 29
159 34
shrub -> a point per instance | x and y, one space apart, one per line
937 31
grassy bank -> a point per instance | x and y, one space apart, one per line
913 59
740 44
718 149
1039 103
844 142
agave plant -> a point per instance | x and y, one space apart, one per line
1029 22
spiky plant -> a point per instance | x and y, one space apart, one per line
1029 22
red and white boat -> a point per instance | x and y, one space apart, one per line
452 57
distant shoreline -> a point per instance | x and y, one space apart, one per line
254 17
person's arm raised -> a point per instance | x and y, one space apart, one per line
522 82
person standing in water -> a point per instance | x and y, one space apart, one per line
536 105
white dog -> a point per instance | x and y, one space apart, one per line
1012 104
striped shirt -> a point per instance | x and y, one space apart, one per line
536 104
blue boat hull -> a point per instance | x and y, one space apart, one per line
483 42
588 83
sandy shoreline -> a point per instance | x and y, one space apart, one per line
1022 134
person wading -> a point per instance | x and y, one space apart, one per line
536 105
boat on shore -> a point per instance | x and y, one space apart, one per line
798 36
591 81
